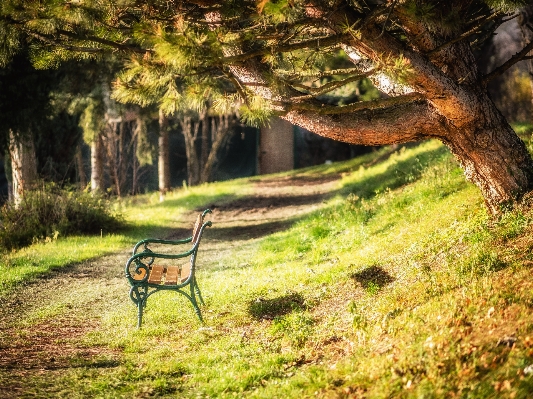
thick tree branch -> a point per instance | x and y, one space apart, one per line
400 123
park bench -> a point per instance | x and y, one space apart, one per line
148 276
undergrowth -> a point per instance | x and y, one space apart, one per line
50 211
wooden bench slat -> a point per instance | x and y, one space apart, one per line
171 278
185 271
156 275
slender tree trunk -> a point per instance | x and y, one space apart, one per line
221 132
135 166
97 164
124 151
111 143
525 21
204 154
190 133
23 165
163 163
82 176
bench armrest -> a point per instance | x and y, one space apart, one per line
200 226
137 270
147 241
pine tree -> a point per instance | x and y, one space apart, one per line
273 57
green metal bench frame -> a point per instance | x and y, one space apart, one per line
146 278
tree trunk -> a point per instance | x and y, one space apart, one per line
221 132
124 152
493 157
82 176
190 133
135 166
442 96
204 154
112 143
23 165
97 165
525 20
163 163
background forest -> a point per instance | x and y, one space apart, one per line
74 125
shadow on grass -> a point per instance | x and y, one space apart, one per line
373 276
258 203
247 231
262 308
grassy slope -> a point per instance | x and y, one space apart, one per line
400 286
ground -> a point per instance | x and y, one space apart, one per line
51 346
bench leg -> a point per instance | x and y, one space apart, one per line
197 290
138 295
192 298
140 307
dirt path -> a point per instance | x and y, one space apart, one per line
43 323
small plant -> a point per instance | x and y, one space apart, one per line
51 211
359 321
295 327
481 264
512 224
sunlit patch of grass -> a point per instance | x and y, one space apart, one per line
399 286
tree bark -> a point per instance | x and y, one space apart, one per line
82 176
221 131
23 165
163 162
97 164
190 132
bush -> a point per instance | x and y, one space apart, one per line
51 211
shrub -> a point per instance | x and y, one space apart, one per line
50 211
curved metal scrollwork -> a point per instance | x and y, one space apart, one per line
148 251
138 294
137 271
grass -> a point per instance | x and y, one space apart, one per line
146 217
399 285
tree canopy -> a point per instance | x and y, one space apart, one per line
289 58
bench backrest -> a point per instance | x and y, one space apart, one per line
197 228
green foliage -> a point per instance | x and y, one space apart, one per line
9 43
257 112
279 11
506 5
49 212
145 149
92 120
